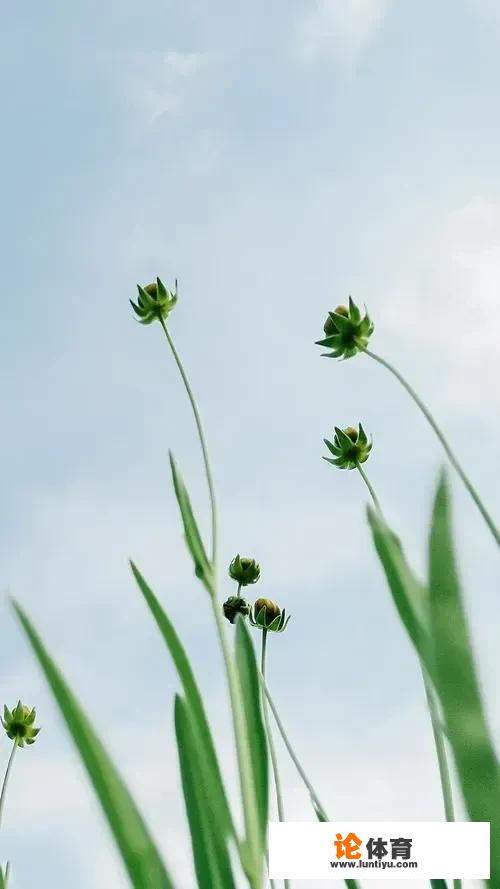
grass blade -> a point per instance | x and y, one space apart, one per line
202 566
210 853
138 851
256 746
457 683
409 595
217 800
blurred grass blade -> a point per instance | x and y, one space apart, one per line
139 854
202 566
216 796
457 682
256 747
409 595
210 852
439 884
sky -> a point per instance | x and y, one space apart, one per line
275 158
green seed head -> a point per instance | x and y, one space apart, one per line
244 571
19 724
349 448
347 331
154 302
267 615
233 606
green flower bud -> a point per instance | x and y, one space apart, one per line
347 331
154 302
267 615
235 605
19 724
350 446
244 571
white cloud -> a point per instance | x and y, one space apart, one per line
449 288
155 83
344 27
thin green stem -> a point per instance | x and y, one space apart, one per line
444 771
240 736
451 456
293 756
437 729
369 486
270 742
439 741
3 792
237 709
201 436
7 875
317 805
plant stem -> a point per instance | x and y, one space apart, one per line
317 806
439 741
314 797
201 436
237 709
444 772
270 742
437 728
369 486
451 456
6 779
240 734
7 875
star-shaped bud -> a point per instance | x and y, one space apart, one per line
154 302
19 724
244 571
349 447
347 331
267 615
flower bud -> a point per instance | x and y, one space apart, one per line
244 571
19 724
349 448
233 606
347 332
154 302
267 615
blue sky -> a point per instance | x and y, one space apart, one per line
274 159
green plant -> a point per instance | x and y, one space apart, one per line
350 460
434 618
432 614
347 334
19 725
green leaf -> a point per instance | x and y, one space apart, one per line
332 448
256 755
457 682
438 884
329 342
362 436
218 805
211 857
354 312
138 851
344 325
409 595
202 566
